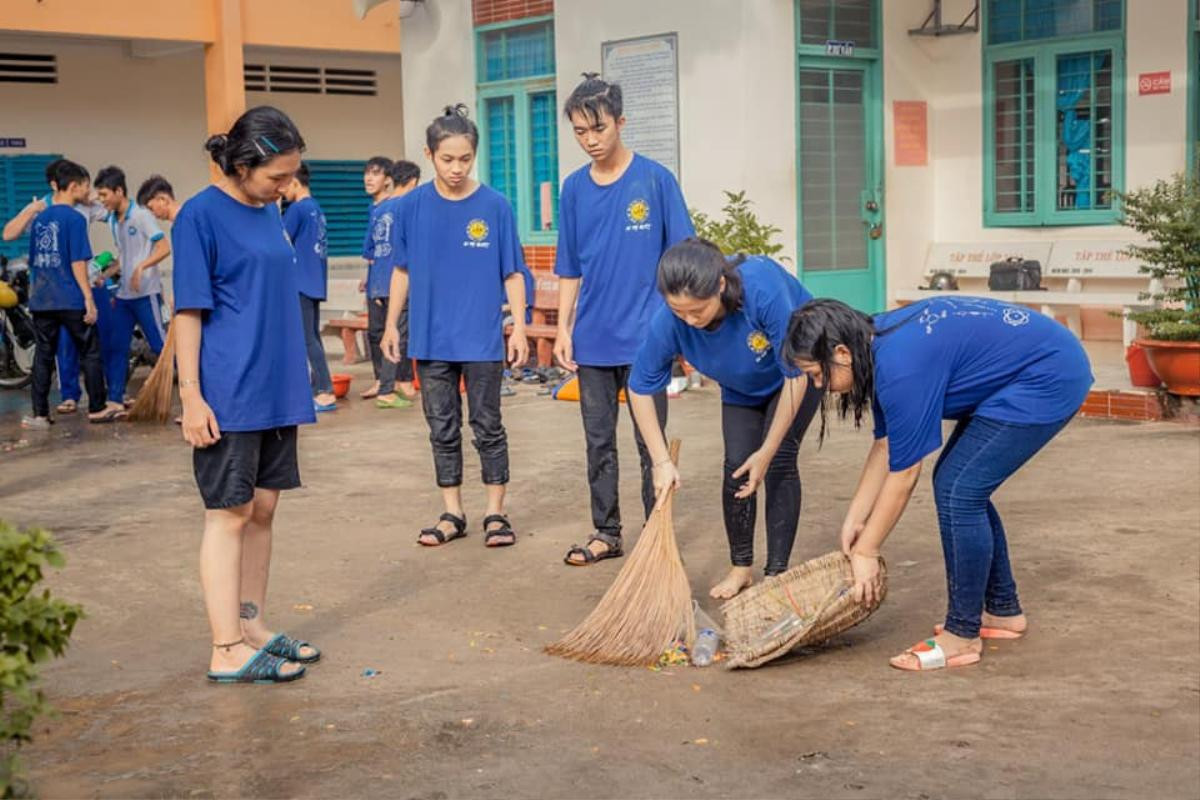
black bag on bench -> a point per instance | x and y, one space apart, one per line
1015 275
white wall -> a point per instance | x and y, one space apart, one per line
145 115
438 47
737 105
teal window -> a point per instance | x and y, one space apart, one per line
1053 113
837 20
337 186
22 178
518 110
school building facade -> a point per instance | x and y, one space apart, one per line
878 148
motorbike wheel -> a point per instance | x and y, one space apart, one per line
16 362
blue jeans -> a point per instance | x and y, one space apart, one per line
67 359
318 367
978 457
146 313
67 356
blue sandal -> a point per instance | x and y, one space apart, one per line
285 646
261 668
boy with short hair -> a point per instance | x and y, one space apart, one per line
304 222
61 298
617 216
157 195
141 247
67 357
377 251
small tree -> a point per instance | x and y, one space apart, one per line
1168 214
740 231
33 628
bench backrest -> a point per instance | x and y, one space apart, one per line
342 295
1064 259
545 293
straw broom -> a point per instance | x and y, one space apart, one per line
648 606
154 401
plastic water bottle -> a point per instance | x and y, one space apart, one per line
708 640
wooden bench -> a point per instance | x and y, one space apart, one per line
345 312
541 329
1112 277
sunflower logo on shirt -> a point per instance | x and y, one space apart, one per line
477 233
638 214
759 344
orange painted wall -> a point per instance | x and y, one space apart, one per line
321 25
188 20
305 24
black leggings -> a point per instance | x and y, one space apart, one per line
744 428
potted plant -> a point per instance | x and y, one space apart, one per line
740 231
1168 215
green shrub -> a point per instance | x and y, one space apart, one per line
740 231
1168 214
33 628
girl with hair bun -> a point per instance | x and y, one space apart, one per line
729 317
457 259
243 379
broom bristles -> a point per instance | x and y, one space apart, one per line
646 609
154 401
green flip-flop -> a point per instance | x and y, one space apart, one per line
399 401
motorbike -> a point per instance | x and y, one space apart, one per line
16 325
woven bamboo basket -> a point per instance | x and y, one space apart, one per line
759 622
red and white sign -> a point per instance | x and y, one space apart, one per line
1154 83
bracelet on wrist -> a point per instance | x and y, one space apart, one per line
188 382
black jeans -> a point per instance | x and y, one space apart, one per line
386 372
744 428
46 327
599 388
442 404
318 366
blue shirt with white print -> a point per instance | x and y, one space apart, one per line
58 238
458 254
743 353
377 248
612 237
305 224
956 357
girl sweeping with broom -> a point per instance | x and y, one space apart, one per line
243 380
1009 377
457 259
728 317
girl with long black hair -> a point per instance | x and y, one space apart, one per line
1008 377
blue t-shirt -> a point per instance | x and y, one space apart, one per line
744 354
234 263
57 238
612 237
378 248
457 254
950 358
304 222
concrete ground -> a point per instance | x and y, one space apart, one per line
1101 699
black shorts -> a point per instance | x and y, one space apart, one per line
229 471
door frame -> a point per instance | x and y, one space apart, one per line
870 62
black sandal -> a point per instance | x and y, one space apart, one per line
505 530
460 530
614 550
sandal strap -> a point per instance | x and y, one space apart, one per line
587 555
490 518
460 523
263 666
929 654
435 533
612 540
286 647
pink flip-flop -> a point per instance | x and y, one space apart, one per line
986 633
931 656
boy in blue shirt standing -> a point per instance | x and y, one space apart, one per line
141 247
377 250
617 216
305 224
61 299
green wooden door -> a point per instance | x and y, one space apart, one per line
839 165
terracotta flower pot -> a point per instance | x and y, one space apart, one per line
1177 363
1140 373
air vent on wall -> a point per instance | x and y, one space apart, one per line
28 68
309 80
